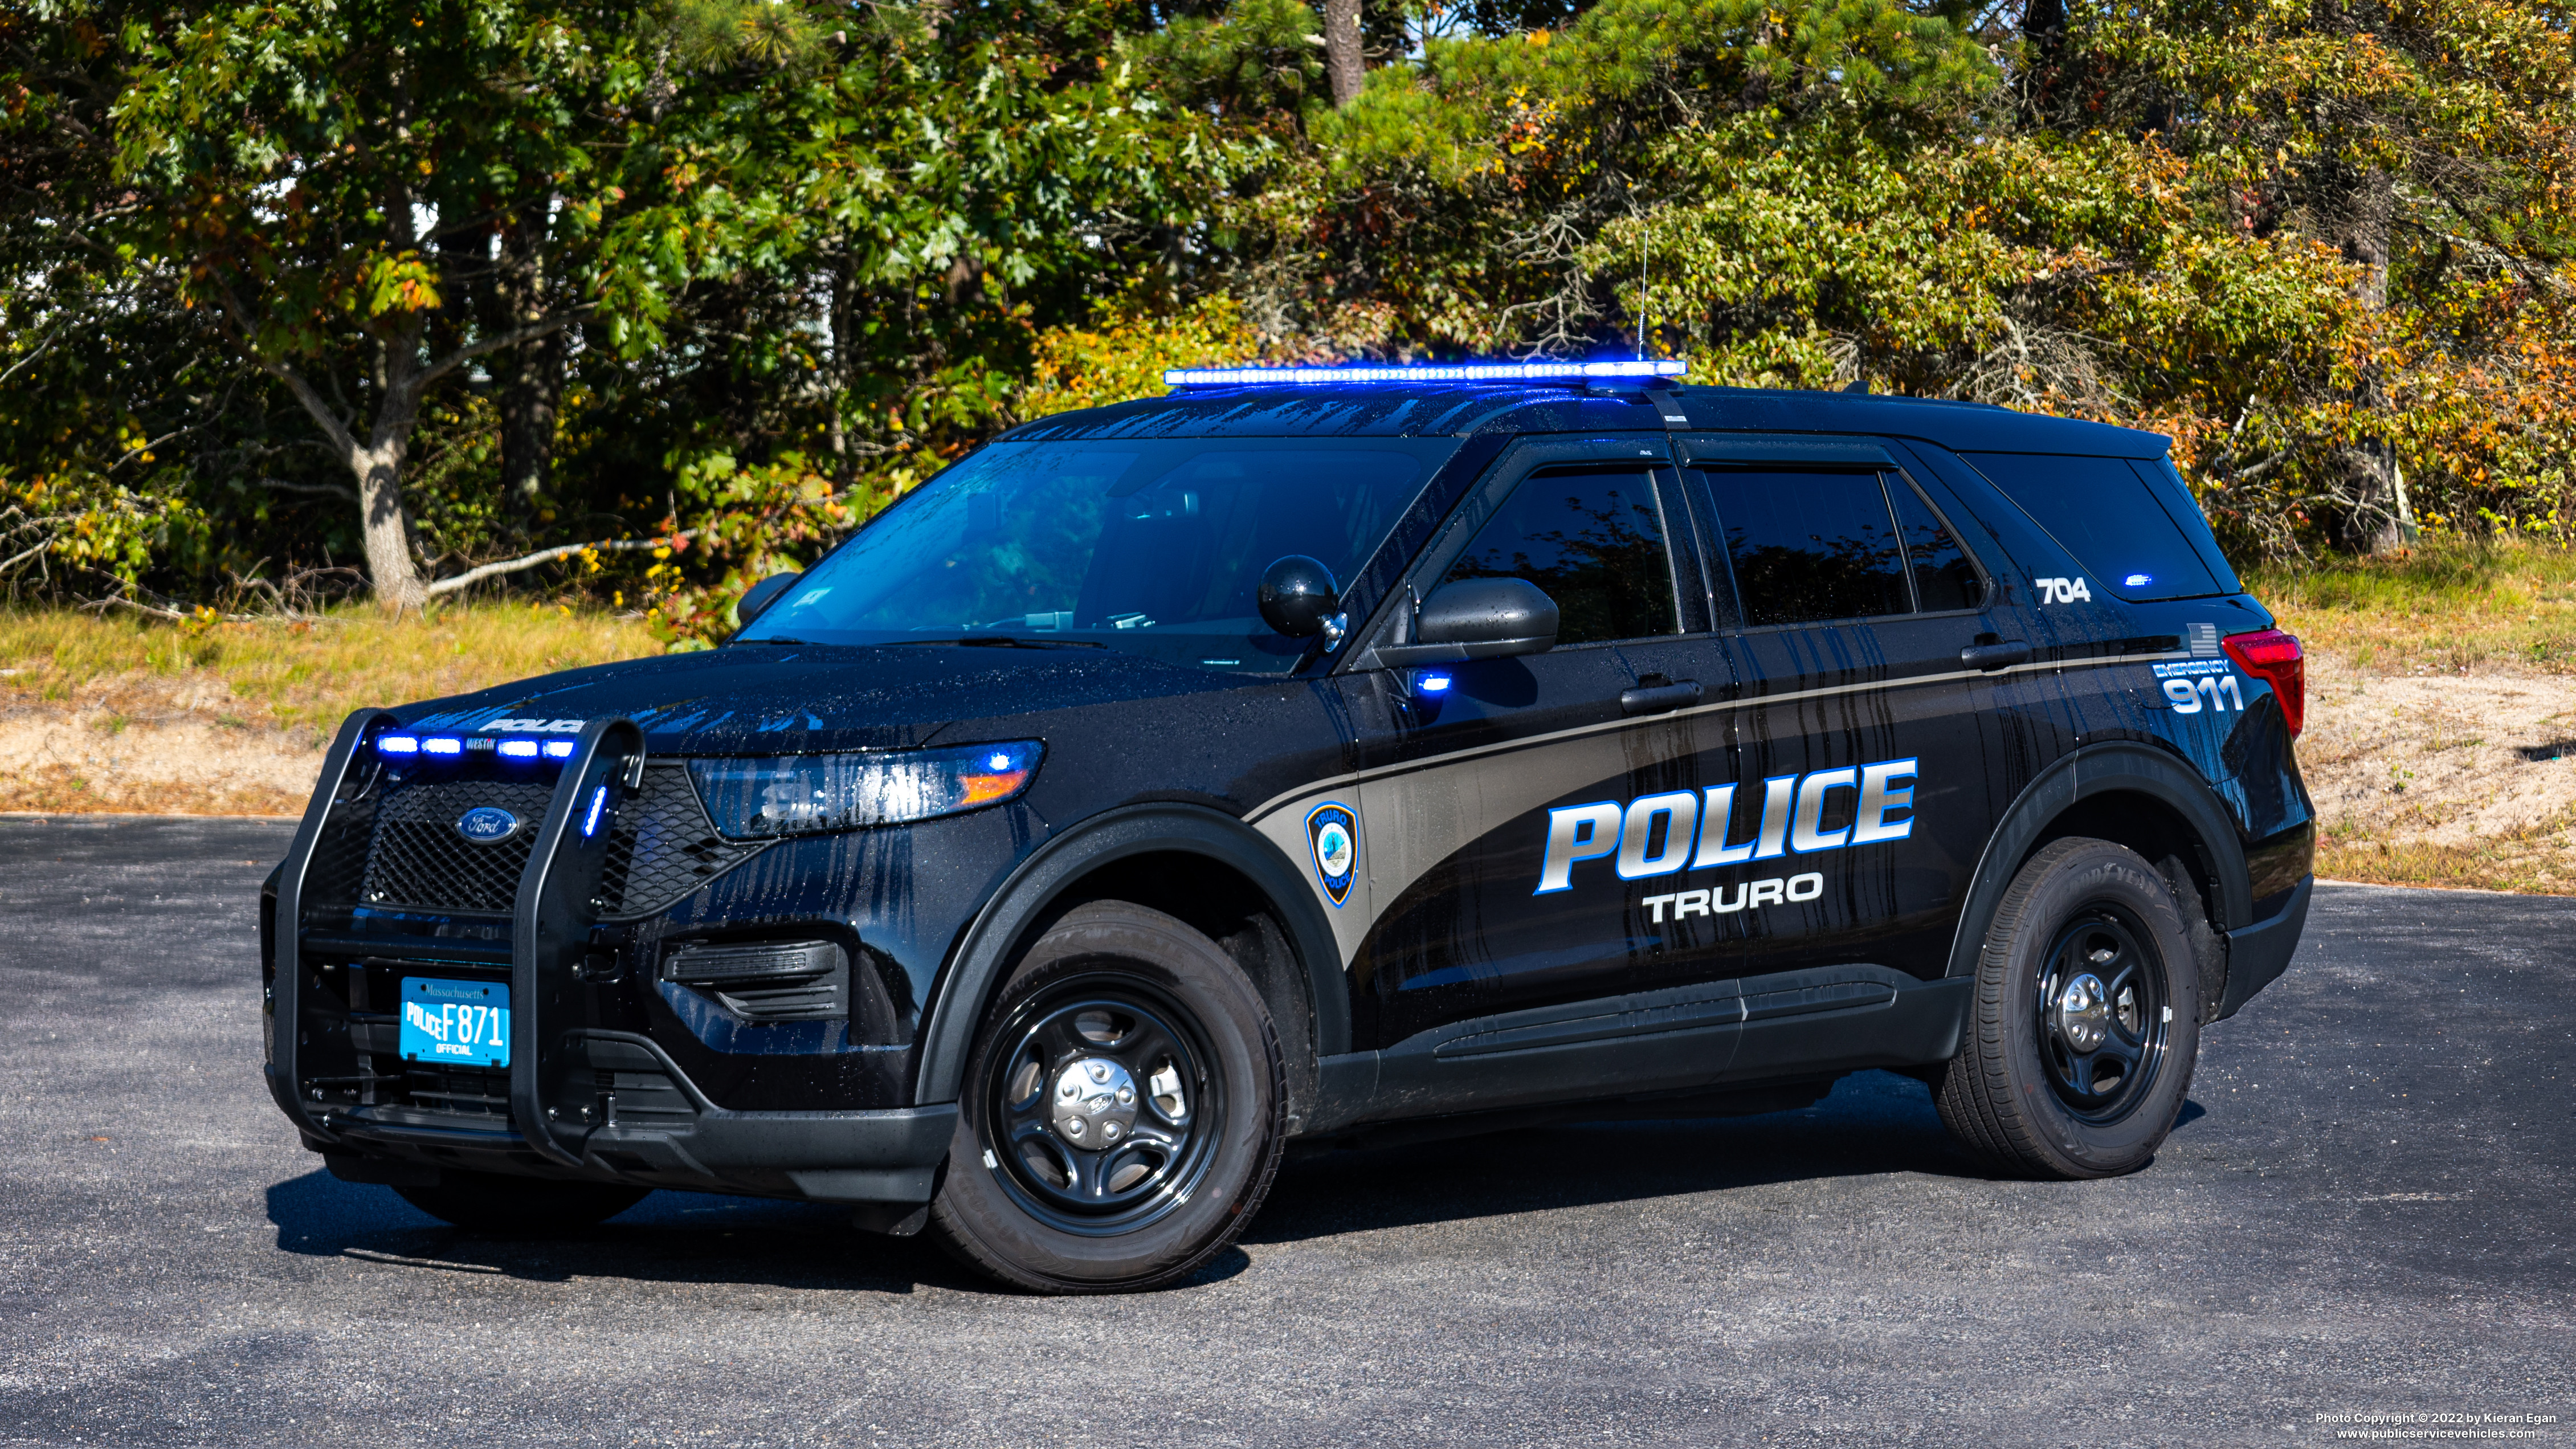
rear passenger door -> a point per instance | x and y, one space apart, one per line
1862 792
1485 768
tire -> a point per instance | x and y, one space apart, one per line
2086 1020
1057 1183
500 1206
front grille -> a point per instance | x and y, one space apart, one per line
398 847
419 860
663 846
465 1091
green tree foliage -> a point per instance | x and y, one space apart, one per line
673 295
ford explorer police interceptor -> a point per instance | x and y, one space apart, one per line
1314 753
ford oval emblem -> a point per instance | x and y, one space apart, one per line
487 825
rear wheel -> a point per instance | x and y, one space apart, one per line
1123 1114
2086 1021
501 1206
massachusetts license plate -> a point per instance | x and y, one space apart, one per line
458 1023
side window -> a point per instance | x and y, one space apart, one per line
2110 519
1594 541
1943 577
1808 546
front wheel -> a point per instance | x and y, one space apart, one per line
1123 1114
2086 1022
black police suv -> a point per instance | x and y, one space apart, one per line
1276 760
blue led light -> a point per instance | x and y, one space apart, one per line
2137 581
1000 763
598 804
1431 684
397 745
1426 372
518 749
442 745
559 749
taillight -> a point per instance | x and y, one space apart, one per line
2274 658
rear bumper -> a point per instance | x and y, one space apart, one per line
2259 953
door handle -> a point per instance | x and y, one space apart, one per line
1995 656
1659 698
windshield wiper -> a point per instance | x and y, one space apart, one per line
1006 641
776 639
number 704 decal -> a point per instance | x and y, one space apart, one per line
2201 684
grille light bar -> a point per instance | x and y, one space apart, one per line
1426 372
518 749
559 749
448 745
405 745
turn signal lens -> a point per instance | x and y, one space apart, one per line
2275 658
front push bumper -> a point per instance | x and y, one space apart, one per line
584 1101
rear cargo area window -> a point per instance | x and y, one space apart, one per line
2119 525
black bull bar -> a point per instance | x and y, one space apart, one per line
557 1045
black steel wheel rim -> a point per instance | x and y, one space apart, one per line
2103 1014
1102 1105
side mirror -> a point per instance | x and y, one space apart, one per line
761 595
1478 619
1298 596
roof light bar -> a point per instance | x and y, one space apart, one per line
1426 372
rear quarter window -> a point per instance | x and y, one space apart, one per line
2135 530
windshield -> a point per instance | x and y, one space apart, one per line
1154 547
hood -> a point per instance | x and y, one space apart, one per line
764 700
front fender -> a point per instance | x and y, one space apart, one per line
1000 930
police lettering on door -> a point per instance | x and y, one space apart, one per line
1656 835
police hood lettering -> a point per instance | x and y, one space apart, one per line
1656 835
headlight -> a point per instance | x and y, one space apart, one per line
803 794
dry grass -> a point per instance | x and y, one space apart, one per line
2441 740
127 714
2450 610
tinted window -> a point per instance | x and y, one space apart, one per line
2168 486
1149 546
1594 542
2107 516
1943 577
1808 546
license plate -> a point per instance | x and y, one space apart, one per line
455 1023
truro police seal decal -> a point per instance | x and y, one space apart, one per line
1333 834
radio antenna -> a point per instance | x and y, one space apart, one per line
1644 307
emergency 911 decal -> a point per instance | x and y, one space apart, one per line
2197 684
1684 829
1333 838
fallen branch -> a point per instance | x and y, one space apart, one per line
474 576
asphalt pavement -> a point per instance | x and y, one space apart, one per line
2366 1209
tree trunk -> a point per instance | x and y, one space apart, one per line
2371 521
531 374
844 367
1342 64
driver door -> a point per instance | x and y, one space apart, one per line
1507 855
